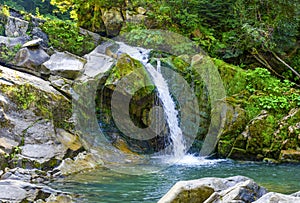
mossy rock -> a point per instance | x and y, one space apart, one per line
47 105
131 72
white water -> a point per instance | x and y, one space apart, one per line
169 106
170 111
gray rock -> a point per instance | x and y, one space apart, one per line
29 59
210 190
13 41
64 64
35 136
65 85
7 144
247 191
97 64
26 175
69 140
273 197
18 191
43 152
38 33
96 37
12 193
296 194
15 27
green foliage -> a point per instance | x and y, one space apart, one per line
65 36
8 53
31 6
270 93
2 29
257 90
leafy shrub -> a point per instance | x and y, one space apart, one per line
65 36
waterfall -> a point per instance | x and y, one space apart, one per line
164 95
169 110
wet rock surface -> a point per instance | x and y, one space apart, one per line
226 190
209 190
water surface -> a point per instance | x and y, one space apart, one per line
104 185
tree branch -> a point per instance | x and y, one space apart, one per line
287 65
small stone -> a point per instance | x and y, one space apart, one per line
141 10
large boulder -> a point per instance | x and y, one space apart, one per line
29 138
213 190
15 27
273 197
64 64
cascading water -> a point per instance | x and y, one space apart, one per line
170 111
169 106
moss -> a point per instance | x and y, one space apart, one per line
47 105
224 147
127 66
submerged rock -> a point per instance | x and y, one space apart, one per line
213 190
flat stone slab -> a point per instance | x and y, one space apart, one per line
33 43
64 64
42 152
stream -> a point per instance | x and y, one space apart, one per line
104 185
